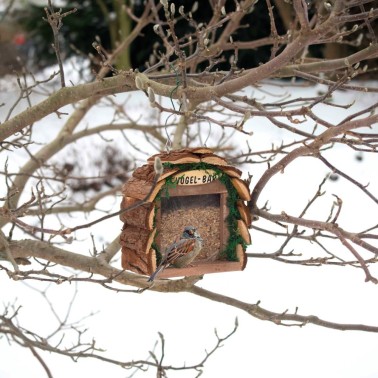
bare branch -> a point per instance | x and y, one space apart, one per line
284 318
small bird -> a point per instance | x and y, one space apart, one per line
182 252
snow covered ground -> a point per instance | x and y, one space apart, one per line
126 325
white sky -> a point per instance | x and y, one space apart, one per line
21 3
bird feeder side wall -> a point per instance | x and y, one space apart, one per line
141 216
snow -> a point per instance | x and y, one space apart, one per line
127 324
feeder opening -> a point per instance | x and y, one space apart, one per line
201 211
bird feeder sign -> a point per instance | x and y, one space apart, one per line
199 200
195 177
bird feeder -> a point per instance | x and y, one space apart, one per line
197 188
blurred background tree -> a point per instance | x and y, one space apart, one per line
107 22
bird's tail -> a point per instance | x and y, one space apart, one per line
154 274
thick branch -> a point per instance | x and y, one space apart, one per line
93 265
284 318
333 228
311 149
65 96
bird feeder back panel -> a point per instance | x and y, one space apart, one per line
202 212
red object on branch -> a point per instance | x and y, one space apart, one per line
19 39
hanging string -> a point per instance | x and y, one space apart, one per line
178 82
168 144
208 135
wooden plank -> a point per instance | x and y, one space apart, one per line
151 261
131 260
242 256
137 239
201 150
242 189
243 231
199 268
231 171
175 157
195 177
146 173
212 188
213 159
168 172
150 240
139 189
193 150
244 212
141 216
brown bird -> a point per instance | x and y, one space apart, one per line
181 253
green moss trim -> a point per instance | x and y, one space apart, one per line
229 253
169 183
232 220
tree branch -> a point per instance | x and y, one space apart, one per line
283 318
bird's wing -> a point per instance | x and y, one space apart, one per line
181 248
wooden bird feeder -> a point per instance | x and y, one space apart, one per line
197 188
